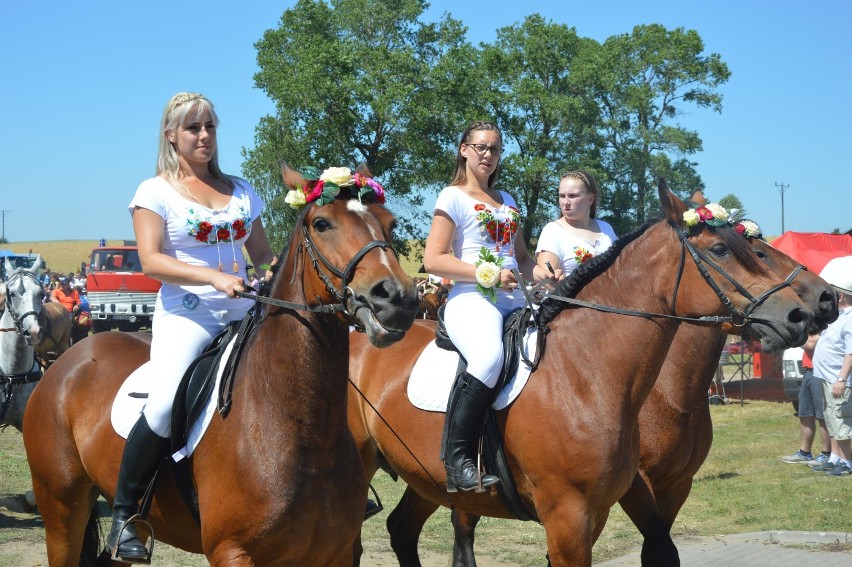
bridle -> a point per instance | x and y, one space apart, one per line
8 382
18 320
343 294
738 318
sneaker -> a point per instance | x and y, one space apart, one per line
826 466
798 457
840 469
818 460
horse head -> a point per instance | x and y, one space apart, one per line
344 234
759 306
23 300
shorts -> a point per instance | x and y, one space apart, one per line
839 426
811 400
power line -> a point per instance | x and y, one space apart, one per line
781 188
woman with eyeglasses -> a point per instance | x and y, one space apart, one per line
474 240
577 236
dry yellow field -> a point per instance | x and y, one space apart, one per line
59 255
65 255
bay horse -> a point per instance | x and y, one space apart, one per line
55 338
279 480
429 306
587 391
675 428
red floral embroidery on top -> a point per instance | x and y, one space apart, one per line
499 229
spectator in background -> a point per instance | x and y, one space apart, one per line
67 296
811 404
833 365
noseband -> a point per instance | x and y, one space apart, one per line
19 319
738 318
344 295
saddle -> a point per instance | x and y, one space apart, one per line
514 329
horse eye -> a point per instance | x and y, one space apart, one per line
321 225
760 254
719 249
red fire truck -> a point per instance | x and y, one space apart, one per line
120 295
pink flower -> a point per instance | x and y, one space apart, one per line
313 193
378 190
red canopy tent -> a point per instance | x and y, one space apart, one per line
813 249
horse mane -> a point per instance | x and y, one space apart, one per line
573 284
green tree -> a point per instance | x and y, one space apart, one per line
539 96
734 206
361 81
645 78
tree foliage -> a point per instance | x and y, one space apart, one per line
368 80
734 206
361 81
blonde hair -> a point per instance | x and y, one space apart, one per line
589 182
168 160
460 175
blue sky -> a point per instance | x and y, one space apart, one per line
84 84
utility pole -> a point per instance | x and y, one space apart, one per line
781 188
4 213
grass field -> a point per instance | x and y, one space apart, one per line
743 487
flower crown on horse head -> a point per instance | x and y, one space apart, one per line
324 187
714 214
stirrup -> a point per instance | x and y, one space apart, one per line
134 519
376 505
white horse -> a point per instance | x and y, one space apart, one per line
21 298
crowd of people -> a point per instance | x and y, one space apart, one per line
70 291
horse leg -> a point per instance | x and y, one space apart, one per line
569 527
464 526
65 520
405 524
639 504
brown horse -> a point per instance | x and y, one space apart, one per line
55 336
279 480
674 424
584 393
429 306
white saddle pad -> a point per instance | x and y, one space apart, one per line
126 409
435 371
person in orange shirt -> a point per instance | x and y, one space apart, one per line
67 296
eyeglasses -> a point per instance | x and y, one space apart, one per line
482 148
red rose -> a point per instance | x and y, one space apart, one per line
223 233
313 193
479 207
704 213
740 228
238 224
201 237
240 234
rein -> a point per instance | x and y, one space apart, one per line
343 295
736 319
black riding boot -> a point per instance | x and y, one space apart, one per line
466 409
142 455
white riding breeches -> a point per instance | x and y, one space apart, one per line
475 325
179 336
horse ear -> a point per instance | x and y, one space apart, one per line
673 208
364 170
292 178
9 267
36 265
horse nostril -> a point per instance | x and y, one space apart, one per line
827 302
799 316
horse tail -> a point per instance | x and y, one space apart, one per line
90 554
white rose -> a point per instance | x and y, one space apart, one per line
691 218
751 228
295 198
488 274
338 175
719 212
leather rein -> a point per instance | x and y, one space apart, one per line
738 318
